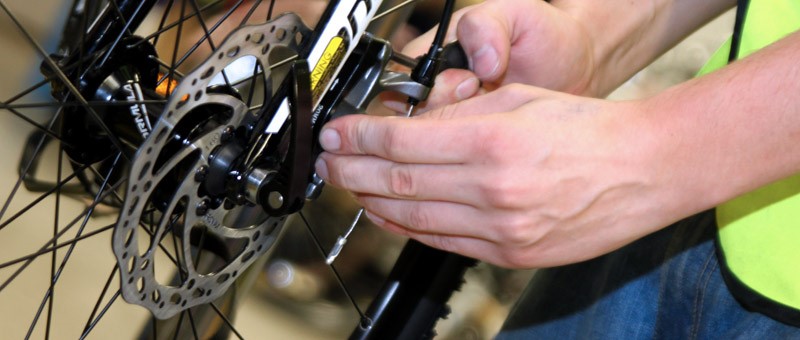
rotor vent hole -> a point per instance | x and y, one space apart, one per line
208 73
161 134
280 34
128 240
258 38
183 101
234 51
176 298
134 203
144 171
131 264
247 256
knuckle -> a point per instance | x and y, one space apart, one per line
502 192
491 144
419 219
442 242
360 136
393 142
515 230
401 181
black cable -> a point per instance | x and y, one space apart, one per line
428 66
738 27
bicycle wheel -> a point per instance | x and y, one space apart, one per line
147 143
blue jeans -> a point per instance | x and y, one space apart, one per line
666 286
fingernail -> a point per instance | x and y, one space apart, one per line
374 218
467 88
322 168
485 62
330 140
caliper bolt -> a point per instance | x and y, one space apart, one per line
201 173
275 200
202 208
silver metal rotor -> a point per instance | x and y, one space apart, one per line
186 208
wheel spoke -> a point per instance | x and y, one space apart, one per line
63 77
226 320
394 9
102 313
85 214
102 296
60 245
339 279
52 291
27 167
125 31
191 50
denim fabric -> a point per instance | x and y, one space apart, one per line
665 286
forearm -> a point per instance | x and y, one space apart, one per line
627 35
732 131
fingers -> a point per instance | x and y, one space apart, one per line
401 140
474 247
428 217
436 137
379 177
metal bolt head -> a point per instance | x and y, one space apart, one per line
241 199
275 200
227 134
202 208
201 173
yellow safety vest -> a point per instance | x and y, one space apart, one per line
759 232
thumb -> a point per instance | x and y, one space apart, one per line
486 36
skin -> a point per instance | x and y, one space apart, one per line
522 176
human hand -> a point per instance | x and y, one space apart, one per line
512 41
520 177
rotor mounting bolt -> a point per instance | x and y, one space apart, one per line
227 134
275 200
201 173
202 208
228 204
241 199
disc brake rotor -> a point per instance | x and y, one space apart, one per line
169 192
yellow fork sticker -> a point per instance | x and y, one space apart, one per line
323 71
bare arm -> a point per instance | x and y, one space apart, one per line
628 35
525 177
584 47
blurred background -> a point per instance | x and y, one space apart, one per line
294 294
